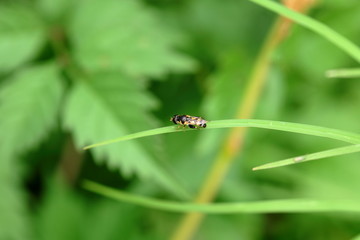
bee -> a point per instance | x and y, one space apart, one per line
187 120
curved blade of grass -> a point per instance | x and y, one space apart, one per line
340 41
146 133
275 125
343 73
310 157
268 206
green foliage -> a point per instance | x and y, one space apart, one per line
118 106
223 93
62 214
123 35
54 11
14 219
66 215
30 103
82 72
21 35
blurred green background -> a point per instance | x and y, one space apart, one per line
74 73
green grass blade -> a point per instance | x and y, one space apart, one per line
356 237
340 41
147 133
343 73
310 157
268 206
275 125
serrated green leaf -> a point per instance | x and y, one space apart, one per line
21 35
29 103
110 105
113 35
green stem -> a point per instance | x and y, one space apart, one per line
234 142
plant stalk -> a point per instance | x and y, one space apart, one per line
234 142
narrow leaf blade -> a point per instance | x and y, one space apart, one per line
266 124
340 41
343 73
310 157
267 206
